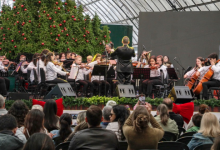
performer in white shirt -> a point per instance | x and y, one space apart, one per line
159 61
154 77
79 78
33 65
99 82
215 79
4 82
166 62
52 70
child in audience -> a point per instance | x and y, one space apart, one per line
196 119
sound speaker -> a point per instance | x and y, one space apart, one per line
61 89
180 94
125 91
18 96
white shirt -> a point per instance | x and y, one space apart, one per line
23 70
81 72
2 67
41 65
164 69
153 72
92 64
51 71
203 71
31 66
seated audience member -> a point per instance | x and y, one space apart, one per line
51 120
39 107
19 110
137 131
203 108
216 145
196 119
8 128
3 111
65 129
33 123
106 112
81 117
209 130
94 137
164 120
111 103
118 116
176 117
39 141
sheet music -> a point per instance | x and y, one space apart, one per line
73 72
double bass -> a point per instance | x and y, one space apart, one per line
205 78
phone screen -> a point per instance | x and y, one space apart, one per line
142 100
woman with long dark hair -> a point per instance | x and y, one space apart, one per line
39 141
164 120
65 128
117 119
51 120
34 123
33 65
166 62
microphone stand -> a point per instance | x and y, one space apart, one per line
105 70
183 69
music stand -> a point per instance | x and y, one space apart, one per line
172 74
111 73
141 73
67 63
99 70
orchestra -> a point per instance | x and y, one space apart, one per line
69 66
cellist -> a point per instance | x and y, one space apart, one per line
215 79
199 64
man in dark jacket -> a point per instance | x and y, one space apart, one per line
124 66
8 128
94 137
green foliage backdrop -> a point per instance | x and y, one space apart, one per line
32 25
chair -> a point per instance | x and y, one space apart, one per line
172 146
168 136
203 147
181 131
63 146
185 139
212 89
188 134
123 145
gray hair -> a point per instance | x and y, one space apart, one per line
81 117
2 101
106 112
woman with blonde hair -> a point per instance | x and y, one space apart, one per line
138 133
164 120
209 130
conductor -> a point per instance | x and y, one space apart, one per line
124 66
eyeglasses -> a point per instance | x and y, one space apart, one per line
111 115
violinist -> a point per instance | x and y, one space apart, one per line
73 56
89 59
52 70
62 57
24 64
159 61
4 82
57 56
97 81
40 63
154 77
145 56
80 76
215 79
166 62
68 55
109 49
33 65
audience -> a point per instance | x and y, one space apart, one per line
176 117
39 107
216 145
81 117
8 128
196 119
137 131
164 120
203 108
51 120
65 129
118 116
106 112
3 111
39 141
209 129
111 103
94 137
34 123
19 110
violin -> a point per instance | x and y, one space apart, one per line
156 66
6 61
136 63
25 63
57 63
82 65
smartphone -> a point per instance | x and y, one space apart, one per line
74 116
142 100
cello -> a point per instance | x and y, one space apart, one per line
192 80
205 78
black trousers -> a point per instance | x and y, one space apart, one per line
124 77
207 85
4 85
101 84
57 80
86 84
148 85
